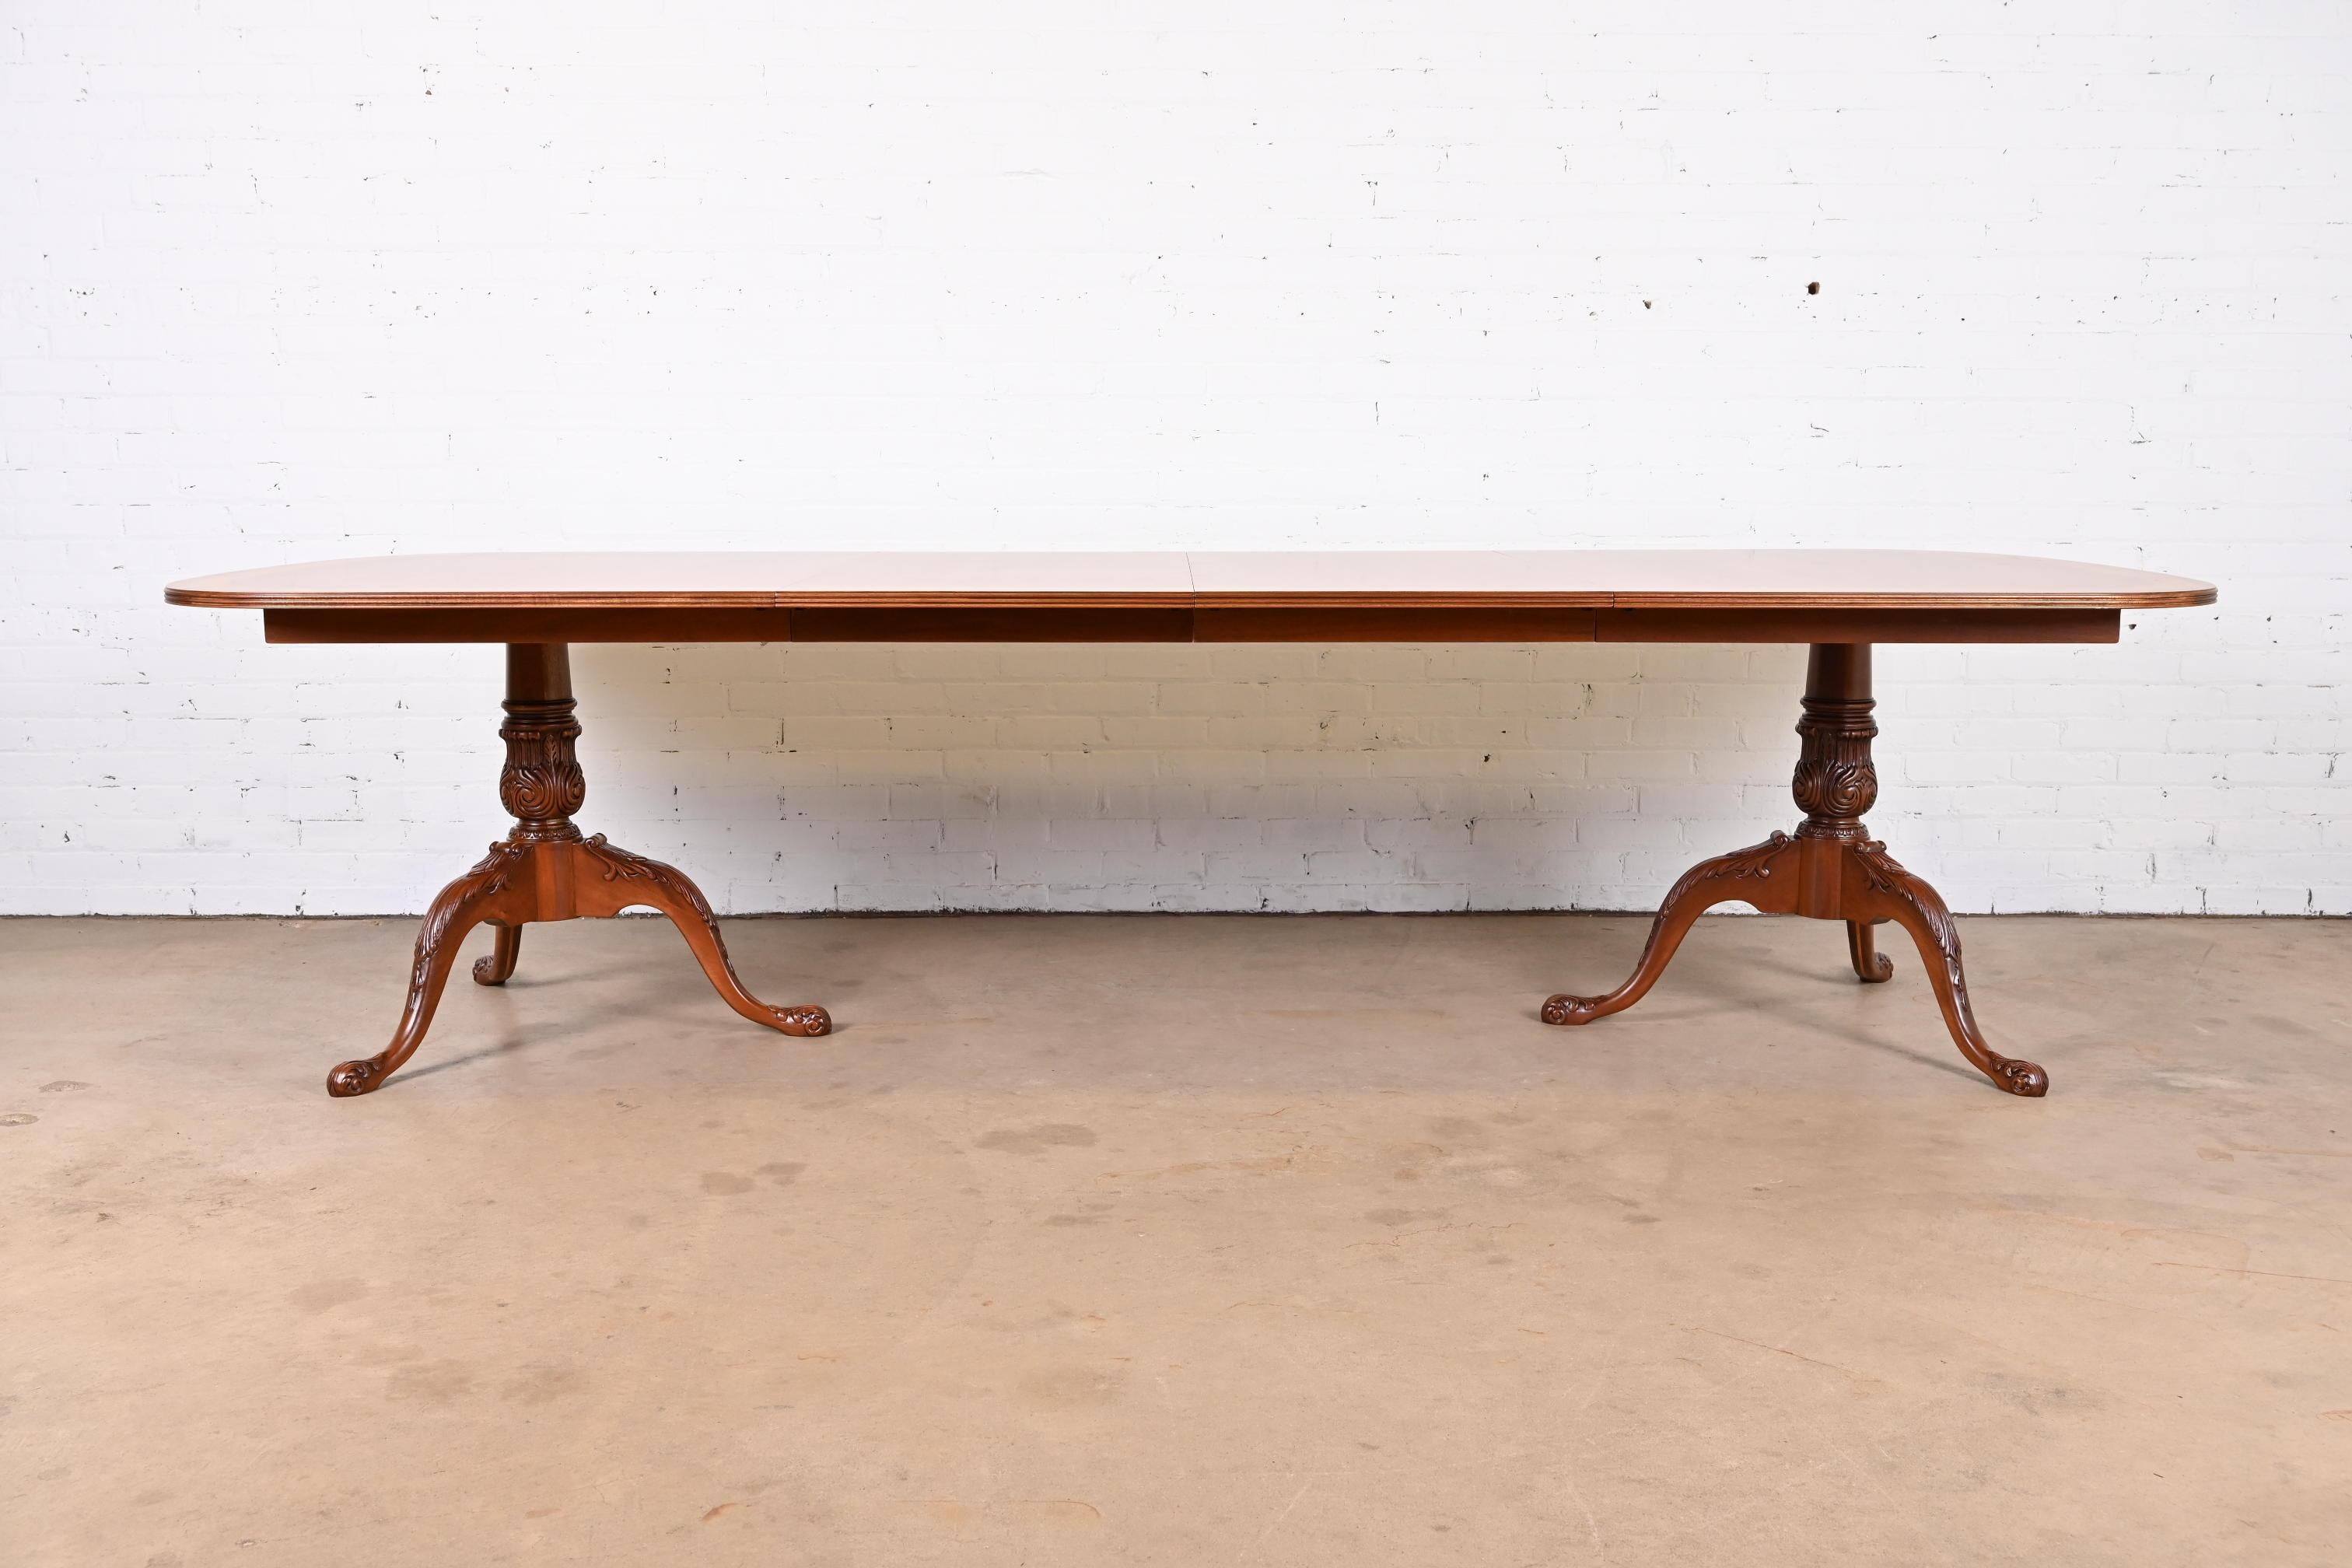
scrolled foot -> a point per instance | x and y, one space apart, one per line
349 1079
1566 1009
804 1021
499 966
2019 1078
1871 966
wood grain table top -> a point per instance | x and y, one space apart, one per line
1690 580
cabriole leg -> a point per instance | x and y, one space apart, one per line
1918 909
1745 875
489 889
617 879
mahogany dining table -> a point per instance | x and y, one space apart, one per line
1839 601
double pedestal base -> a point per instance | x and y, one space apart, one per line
546 871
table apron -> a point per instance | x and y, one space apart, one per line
1179 623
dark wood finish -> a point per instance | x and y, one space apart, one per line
1409 623
1839 600
545 870
963 622
528 624
1860 624
1162 624
499 966
1870 965
1830 869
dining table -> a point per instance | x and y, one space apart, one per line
1839 603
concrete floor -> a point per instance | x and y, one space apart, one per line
1187 1240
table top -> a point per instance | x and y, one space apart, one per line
1878 580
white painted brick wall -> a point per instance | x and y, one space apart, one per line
280 281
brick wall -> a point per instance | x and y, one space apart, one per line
280 281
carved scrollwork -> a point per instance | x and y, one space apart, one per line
1835 786
533 791
541 785
1691 895
1756 860
489 876
625 866
2020 1078
498 967
1882 873
1836 782
619 864
1566 1009
348 1078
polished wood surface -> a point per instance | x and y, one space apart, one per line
709 579
1682 579
1602 595
1557 579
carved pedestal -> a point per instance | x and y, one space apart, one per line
544 870
1831 869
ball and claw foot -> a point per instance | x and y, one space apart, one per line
807 1022
349 1079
